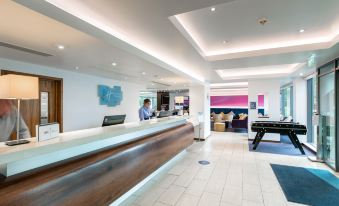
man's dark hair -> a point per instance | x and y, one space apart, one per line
147 101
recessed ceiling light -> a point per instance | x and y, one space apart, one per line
143 73
152 84
213 9
302 30
77 68
114 64
61 47
263 21
301 74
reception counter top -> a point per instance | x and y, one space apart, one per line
22 158
99 166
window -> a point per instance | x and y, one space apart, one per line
286 101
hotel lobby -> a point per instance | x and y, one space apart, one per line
169 102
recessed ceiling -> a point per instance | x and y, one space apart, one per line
146 30
237 23
80 52
258 72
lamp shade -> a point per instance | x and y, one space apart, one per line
179 99
19 87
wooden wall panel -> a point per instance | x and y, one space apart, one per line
30 109
99 178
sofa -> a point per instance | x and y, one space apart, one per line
240 123
230 120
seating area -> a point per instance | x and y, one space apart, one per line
220 122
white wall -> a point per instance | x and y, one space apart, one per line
81 107
200 102
271 89
300 103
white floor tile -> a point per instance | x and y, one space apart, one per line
150 197
196 187
166 181
171 195
232 194
160 204
235 177
188 200
209 199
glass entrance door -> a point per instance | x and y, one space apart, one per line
312 110
327 113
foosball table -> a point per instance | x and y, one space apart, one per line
290 129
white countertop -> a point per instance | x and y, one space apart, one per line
17 159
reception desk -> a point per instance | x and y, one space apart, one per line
90 167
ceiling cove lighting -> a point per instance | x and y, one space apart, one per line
241 73
229 84
194 35
75 9
235 89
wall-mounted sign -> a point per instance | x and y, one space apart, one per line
253 105
109 96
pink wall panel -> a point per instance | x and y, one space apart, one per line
234 101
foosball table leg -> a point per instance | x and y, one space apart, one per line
255 138
260 136
292 139
295 137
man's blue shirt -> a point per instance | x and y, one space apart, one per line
144 113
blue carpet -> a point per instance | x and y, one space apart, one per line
308 186
284 147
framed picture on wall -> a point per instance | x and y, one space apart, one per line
253 105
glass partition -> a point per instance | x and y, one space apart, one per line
286 102
312 111
327 110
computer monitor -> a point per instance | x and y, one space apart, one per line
165 114
113 120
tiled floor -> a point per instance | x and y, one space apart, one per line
235 176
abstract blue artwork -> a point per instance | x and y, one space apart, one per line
110 96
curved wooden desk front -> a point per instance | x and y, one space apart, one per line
98 178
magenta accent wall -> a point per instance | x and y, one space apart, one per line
234 101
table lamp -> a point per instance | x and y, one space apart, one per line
18 87
179 99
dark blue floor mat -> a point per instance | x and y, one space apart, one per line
285 147
308 186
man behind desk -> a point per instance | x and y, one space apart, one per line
8 121
145 111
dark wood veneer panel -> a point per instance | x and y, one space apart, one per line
100 178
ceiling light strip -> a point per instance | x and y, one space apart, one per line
115 33
330 39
